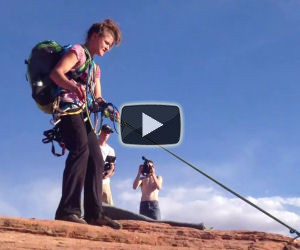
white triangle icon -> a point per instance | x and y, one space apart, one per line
149 124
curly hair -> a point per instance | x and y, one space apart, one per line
107 25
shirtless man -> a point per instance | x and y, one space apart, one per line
150 185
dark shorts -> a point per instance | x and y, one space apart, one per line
150 209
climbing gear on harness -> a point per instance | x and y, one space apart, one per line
97 105
52 135
106 110
42 59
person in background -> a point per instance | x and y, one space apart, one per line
109 156
150 185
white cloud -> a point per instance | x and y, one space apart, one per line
216 209
7 209
124 196
120 184
38 199
42 196
292 201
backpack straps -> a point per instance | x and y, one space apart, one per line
88 63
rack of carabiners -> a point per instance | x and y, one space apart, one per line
106 110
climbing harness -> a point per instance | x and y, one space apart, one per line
91 105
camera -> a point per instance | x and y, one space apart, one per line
107 165
146 166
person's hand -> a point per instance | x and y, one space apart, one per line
113 114
141 169
79 91
111 171
103 100
98 105
117 116
152 170
100 100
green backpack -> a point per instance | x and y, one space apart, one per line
42 59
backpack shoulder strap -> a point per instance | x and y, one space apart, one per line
87 64
88 61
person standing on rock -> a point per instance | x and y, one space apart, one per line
108 154
150 185
84 164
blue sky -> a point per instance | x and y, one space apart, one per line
232 66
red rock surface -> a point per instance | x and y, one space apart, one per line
20 233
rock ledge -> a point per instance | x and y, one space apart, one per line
20 233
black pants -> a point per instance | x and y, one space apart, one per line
84 168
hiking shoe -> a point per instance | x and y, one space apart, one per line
72 218
103 220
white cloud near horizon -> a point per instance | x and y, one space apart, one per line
37 199
216 209
7 209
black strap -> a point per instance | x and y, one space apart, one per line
52 135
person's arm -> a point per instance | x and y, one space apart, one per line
98 91
137 182
58 74
157 179
98 94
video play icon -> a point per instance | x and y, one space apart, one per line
150 124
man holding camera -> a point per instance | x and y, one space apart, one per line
150 185
108 154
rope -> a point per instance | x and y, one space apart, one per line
291 229
111 114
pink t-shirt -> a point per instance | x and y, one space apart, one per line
81 56
71 97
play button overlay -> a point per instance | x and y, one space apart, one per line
150 124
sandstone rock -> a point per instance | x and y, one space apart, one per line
20 233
